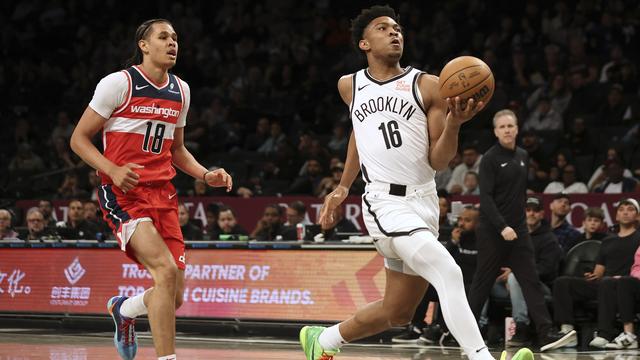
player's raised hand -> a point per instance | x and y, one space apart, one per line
459 112
219 178
331 202
124 177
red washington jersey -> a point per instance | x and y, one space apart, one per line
142 117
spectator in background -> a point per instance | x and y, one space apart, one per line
627 297
544 117
36 230
62 157
445 226
70 188
26 162
599 175
228 224
539 164
6 231
308 184
46 209
615 182
471 183
557 92
297 214
93 183
92 215
339 140
565 233
63 128
568 185
329 183
444 176
614 260
190 231
259 137
615 112
276 136
577 140
471 159
592 226
212 229
269 227
76 227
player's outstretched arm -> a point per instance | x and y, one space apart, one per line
124 177
444 126
185 161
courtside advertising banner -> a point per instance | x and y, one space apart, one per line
326 285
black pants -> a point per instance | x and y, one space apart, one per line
493 253
628 298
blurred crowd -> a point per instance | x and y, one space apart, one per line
264 102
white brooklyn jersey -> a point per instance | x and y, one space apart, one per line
390 127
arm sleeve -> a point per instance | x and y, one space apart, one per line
186 90
487 192
111 92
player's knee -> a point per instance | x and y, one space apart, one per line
166 274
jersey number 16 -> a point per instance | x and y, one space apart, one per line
156 140
391 134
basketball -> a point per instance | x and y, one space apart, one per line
467 77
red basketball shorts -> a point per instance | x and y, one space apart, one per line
154 202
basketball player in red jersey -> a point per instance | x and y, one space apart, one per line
142 112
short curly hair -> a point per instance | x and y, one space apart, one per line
366 16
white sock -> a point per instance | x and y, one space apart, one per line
428 258
330 339
168 357
566 328
134 306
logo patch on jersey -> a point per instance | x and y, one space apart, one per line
403 85
363 86
141 87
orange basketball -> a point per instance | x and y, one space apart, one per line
467 77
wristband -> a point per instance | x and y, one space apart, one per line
205 175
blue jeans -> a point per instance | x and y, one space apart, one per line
519 310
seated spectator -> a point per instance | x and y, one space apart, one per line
36 230
614 260
269 227
212 229
296 213
599 175
63 128
548 256
445 225
46 208
307 184
93 215
70 188
539 163
330 183
544 117
444 176
276 136
339 140
256 139
591 227
569 183
615 182
565 232
228 224
6 232
190 231
626 301
471 183
26 162
77 227
340 225
471 159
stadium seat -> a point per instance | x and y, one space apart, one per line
581 258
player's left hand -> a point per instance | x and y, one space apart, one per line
459 113
219 178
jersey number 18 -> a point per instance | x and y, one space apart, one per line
391 134
156 140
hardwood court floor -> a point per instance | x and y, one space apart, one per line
16 344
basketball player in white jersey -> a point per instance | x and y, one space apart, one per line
403 131
142 112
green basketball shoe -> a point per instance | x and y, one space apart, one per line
522 354
309 341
